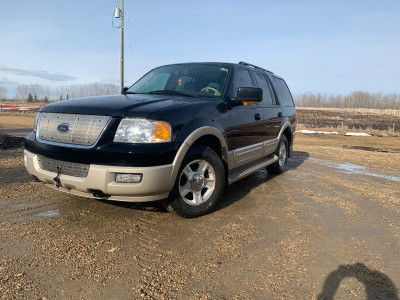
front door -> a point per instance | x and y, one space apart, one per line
244 127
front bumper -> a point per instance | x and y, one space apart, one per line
156 182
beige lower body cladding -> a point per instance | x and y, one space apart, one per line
156 182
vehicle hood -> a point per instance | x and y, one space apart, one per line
137 105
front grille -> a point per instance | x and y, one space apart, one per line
67 168
77 129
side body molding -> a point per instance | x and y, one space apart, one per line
242 156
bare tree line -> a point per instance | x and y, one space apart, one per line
85 90
357 99
42 92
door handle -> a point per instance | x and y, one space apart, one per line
257 117
279 114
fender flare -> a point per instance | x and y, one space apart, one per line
286 125
188 142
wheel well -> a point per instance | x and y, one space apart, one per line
210 141
214 143
289 137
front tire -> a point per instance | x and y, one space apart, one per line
199 184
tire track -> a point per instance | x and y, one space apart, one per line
22 208
150 253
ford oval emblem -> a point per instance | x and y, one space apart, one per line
64 127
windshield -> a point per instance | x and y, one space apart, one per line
192 80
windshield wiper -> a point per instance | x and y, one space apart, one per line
170 92
130 92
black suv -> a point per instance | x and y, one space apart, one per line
180 134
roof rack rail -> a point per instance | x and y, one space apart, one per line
254 66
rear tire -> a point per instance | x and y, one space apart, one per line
282 152
199 184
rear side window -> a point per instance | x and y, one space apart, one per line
283 92
242 79
262 83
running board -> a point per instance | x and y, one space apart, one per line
243 171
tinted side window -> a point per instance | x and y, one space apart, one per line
242 79
283 92
262 83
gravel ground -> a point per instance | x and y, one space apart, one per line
329 226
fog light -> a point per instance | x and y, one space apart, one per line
128 178
25 162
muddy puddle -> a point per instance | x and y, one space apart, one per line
349 168
373 149
49 214
22 212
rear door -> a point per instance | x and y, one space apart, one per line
271 112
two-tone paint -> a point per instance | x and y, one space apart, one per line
239 134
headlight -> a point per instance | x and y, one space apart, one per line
142 131
35 124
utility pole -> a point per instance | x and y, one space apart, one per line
119 13
122 44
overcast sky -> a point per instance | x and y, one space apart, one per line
332 47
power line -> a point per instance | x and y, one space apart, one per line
79 48
129 43
68 32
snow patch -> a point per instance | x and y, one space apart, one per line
349 168
316 132
357 134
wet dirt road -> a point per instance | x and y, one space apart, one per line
328 226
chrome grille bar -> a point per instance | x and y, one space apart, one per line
78 129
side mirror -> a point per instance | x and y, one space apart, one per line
123 90
250 95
